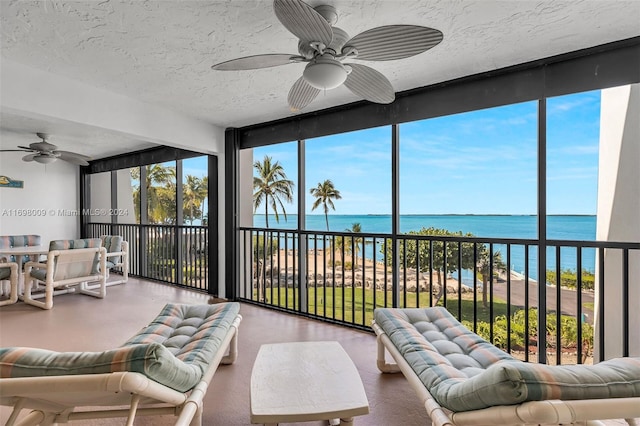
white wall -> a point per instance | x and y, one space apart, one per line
619 211
50 195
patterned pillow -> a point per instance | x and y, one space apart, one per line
153 360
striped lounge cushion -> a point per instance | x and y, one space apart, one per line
464 372
174 350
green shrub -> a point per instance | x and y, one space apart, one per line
568 330
569 279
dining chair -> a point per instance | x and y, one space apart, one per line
117 257
70 265
9 275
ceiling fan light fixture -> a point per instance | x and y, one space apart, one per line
44 159
325 73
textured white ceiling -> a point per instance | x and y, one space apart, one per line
160 52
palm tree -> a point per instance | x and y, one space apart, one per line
263 249
271 186
161 192
205 185
354 242
195 191
325 193
483 266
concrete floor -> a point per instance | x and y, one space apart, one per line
82 323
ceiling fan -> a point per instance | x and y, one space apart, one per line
44 152
324 48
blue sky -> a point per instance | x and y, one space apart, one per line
480 162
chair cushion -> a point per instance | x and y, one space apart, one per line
25 240
113 244
174 350
465 372
7 241
193 333
39 274
75 244
5 272
71 245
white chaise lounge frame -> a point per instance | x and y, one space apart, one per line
586 412
54 398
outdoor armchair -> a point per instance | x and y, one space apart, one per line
69 264
117 257
9 275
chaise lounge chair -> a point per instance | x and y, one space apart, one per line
464 380
164 369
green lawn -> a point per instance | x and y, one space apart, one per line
358 304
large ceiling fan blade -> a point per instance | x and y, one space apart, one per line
15 150
303 21
257 61
369 84
73 157
26 148
393 42
29 157
301 94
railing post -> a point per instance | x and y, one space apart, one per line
142 252
303 249
303 245
395 215
542 230
179 254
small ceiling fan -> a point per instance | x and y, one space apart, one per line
324 48
44 152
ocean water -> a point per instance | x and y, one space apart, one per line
582 228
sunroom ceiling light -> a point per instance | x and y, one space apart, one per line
325 73
44 159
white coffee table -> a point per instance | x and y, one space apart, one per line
305 381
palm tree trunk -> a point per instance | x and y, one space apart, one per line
266 211
485 281
326 218
442 288
258 284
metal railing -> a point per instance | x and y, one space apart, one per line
173 254
342 277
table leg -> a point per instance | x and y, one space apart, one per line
346 422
